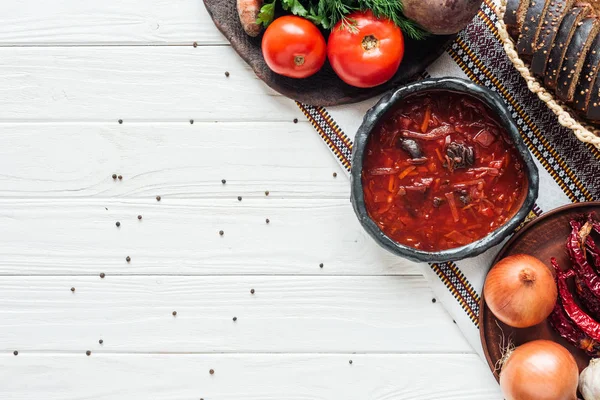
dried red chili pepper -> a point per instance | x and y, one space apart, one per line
582 320
587 298
565 327
593 251
580 264
590 244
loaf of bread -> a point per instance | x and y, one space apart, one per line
561 41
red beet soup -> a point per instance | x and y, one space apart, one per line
441 172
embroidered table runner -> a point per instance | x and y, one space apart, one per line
569 169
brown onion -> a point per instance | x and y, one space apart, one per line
539 370
520 291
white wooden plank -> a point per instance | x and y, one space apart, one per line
252 377
284 315
171 159
107 22
134 84
53 236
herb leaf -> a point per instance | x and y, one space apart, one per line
295 7
266 14
327 13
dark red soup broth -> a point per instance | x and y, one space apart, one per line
441 172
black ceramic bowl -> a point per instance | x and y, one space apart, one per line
378 113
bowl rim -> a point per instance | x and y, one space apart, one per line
373 117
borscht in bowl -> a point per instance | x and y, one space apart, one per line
440 171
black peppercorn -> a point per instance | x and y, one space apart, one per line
221 233
227 74
295 120
267 193
195 44
212 371
101 341
120 121
267 220
191 121
88 353
174 313
157 198
252 291
72 289
139 217
120 177
234 319
335 174
223 181
118 224
102 275
16 353
239 198
128 259
321 265
433 300
114 176
350 362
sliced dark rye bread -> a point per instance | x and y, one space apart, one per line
556 11
587 77
561 42
593 110
515 15
531 27
575 58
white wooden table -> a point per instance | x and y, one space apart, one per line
361 327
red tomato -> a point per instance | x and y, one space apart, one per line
294 47
368 55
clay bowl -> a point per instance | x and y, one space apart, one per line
378 113
544 237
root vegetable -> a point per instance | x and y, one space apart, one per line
520 291
441 17
589 380
248 11
539 370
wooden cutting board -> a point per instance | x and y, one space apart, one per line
324 88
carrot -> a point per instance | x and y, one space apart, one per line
510 203
407 171
248 11
392 184
426 117
452 204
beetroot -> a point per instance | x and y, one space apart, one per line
441 17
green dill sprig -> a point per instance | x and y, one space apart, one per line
327 13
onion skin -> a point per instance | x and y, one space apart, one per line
520 291
539 370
